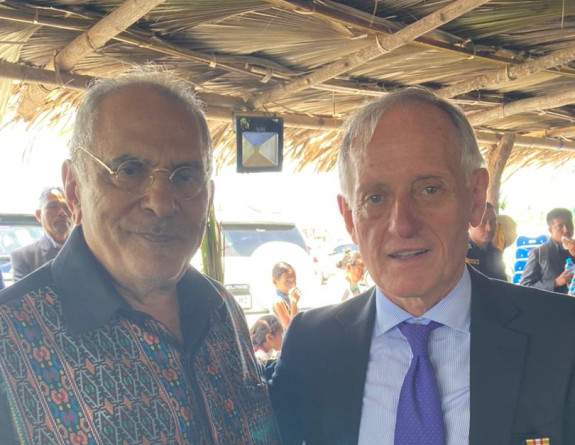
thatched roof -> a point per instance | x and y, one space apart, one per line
508 64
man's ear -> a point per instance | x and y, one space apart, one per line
478 188
346 212
70 181
39 215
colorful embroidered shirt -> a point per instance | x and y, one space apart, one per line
79 366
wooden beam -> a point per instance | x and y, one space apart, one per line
522 106
255 67
381 46
89 41
347 16
530 143
496 159
566 132
37 76
324 123
222 108
556 58
103 31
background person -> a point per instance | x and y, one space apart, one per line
267 335
285 305
545 267
120 326
54 215
353 266
485 361
482 254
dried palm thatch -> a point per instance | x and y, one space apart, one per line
509 65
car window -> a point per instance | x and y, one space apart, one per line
16 231
243 240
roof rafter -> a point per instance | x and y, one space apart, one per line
347 16
381 46
222 108
89 41
523 106
252 66
492 79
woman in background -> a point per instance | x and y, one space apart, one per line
287 294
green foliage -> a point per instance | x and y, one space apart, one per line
213 249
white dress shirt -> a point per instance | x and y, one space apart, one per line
390 356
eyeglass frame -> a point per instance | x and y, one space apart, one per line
152 176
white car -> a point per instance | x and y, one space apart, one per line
251 251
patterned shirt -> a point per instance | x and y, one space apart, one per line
79 366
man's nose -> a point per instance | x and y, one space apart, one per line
160 198
404 220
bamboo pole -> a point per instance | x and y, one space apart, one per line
522 106
496 159
37 76
347 16
556 58
86 43
381 46
255 67
568 131
216 107
103 31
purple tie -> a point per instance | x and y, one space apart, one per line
419 416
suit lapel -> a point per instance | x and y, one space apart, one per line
357 322
46 250
498 351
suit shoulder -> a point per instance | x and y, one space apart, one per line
539 303
22 251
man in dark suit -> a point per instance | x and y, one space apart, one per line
545 268
499 363
54 215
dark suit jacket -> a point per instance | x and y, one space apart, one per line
27 259
522 368
545 263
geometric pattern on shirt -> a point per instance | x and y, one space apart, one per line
125 382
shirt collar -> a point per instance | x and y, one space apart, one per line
454 310
89 298
54 244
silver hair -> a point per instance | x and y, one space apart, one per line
360 126
154 76
47 192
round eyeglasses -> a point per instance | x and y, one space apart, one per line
137 177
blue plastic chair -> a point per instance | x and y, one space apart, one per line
519 265
529 242
522 253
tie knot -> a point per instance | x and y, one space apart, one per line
418 335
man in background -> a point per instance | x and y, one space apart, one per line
54 215
545 267
482 254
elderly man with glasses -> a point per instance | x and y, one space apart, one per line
120 340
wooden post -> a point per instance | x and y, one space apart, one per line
496 160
